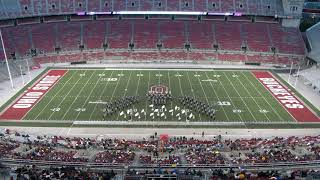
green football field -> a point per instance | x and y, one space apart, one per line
237 95
81 95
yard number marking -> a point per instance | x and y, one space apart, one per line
55 109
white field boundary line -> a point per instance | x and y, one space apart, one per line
18 97
75 99
45 93
251 97
193 93
174 135
240 96
214 91
276 112
54 96
87 97
233 104
125 91
289 88
277 99
102 92
64 97
152 69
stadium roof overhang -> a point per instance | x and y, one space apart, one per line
313 36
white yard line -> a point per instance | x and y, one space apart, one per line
234 107
112 95
145 118
74 100
65 96
87 97
224 111
136 93
252 98
194 94
168 73
125 91
45 107
276 112
102 92
182 94
208 102
241 97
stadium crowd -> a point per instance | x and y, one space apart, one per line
157 151
175 150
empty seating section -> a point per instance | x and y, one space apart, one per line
80 5
69 36
40 7
94 5
92 56
70 58
172 34
145 56
53 6
119 5
256 37
45 59
173 5
286 40
200 5
17 39
158 5
106 5
231 57
227 6
43 37
26 7
186 5
146 34
241 6
214 6
147 4
67 6
94 34
173 56
228 35
133 5
262 59
119 34
200 34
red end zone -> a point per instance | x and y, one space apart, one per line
290 102
27 100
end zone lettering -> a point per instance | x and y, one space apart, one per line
24 104
281 93
290 102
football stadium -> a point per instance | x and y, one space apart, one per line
159 89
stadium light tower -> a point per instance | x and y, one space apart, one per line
5 57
